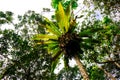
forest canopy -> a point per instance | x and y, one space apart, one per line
37 45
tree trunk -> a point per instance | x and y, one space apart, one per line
81 68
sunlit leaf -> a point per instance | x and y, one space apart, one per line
44 37
60 17
67 18
52 28
63 18
44 42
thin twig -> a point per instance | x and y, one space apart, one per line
110 61
107 73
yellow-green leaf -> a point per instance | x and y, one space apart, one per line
45 42
52 28
55 62
54 52
67 18
63 18
45 37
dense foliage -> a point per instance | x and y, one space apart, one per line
20 58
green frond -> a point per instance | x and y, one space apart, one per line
44 37
89 32
67 18
52 48
62 18
66 62
44 42
55 51
55 61
54 64
52 28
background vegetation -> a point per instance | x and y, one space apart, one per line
99 21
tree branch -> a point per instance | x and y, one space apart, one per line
107 73
110 61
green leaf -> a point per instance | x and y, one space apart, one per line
89 40
2 21
55 3
54 65
52 47
2 14
63 18
60 17
85 33
55 62
55 51
9 13
66 62
74 5
107 20
52 28
67 18
44 37
88 32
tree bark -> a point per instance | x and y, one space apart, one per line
81 68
